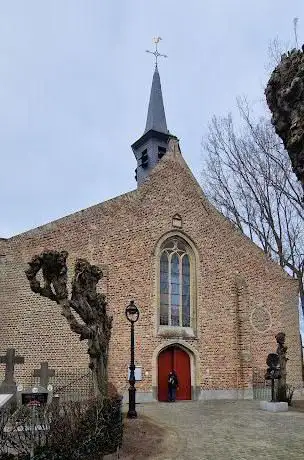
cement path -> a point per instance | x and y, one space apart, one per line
228 430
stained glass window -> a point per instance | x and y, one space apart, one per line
175 284
164 288
186 291
175 290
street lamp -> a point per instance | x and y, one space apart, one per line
132 314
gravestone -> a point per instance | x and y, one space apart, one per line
36 396
33 398
8 385
40 394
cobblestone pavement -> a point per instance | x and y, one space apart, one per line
229 430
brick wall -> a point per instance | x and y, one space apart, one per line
121 235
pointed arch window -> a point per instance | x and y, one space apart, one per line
176 283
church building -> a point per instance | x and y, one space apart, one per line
210 301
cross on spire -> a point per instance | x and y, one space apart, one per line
156 41
44 373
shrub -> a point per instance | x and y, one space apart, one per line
86 430
76 430
285 394
289 394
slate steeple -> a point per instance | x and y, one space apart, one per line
152 145
156 118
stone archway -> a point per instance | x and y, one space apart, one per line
193 361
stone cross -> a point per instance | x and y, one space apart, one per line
10 359
44 373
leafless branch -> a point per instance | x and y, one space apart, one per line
248 177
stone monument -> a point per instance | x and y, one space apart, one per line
276 372
281 352
273 373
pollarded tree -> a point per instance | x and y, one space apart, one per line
91 322
285 98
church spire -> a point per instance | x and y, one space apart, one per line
156 118
152 145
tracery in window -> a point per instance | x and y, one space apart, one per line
175 283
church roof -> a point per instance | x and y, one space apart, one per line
180 187
156 118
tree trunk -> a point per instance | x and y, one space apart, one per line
98 365
301 291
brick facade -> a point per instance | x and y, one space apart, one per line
243 298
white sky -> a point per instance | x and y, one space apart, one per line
75 83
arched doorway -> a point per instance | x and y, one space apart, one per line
175 358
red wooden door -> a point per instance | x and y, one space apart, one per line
165 364
174 358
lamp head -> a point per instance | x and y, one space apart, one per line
132 312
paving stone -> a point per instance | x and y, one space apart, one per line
230 430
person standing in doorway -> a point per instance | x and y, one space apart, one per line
172 386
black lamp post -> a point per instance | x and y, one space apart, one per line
132 314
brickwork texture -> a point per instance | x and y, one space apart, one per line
242 298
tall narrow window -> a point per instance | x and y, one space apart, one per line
175 289
186 291
175 283
164 288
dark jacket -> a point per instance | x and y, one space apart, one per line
172 380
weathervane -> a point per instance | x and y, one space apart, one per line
156 41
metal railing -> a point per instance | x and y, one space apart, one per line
261 387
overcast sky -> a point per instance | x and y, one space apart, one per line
75 83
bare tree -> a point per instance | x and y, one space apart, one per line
247 175
85 311
275 50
